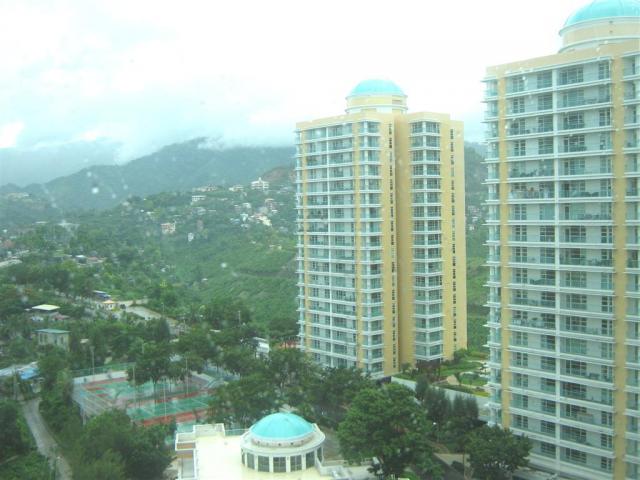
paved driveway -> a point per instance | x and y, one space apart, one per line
47 445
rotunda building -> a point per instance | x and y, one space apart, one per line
282 442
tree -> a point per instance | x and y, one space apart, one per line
153 365
50 365
331 391
438 407
462 419
108 467
386 423
242 402
11 438
142 449
495 453
288 369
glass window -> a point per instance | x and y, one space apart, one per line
279 464
263 464
251 461
296 463
310 459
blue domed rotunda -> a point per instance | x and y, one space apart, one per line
282 442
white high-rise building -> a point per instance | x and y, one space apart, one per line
564 235
381 249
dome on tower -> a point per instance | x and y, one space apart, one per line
603 9
376 86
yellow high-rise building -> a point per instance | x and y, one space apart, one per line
381 234
564 236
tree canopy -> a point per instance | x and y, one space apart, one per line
385 423
495 452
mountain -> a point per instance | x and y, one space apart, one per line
177 167
44 163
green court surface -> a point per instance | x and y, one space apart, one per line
173 406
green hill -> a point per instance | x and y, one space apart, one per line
177 167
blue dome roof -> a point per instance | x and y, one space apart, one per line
599 9
376 86
281 426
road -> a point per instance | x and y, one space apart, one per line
47 445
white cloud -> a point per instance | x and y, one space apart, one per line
9 134
149 73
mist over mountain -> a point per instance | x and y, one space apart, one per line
23 166
176 167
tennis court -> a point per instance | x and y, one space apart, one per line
183 402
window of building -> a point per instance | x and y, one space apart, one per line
547 449
279 464
548 428
545 102
606 304
263 464
545 145
544 79
296 463
547 233
570 75
251 461
603 70
548 364
576 456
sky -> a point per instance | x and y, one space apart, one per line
150 73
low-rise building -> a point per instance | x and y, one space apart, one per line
260 184
45 310
197 198
53 336
168 228
109 305
279 446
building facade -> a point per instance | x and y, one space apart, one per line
563 219
381 240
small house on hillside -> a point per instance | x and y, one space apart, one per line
53 336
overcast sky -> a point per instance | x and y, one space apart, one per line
149 73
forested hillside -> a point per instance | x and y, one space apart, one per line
181 166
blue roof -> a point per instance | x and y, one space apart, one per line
28 373
281 426
599 9
376 86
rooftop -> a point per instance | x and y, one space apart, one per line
601 9
45 307
52 330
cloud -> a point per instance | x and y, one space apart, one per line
9 134
148 73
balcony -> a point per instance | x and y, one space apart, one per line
512 132
585 171
533 173
583 194
533 303
586 216
580 102
533 323
531 194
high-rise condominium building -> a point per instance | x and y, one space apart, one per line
381 243
564 236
